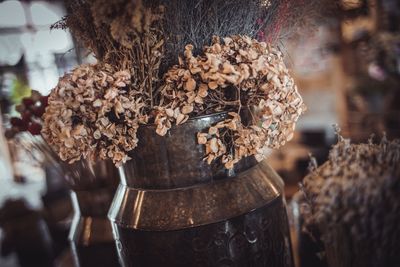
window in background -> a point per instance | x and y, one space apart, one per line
25 34
31 56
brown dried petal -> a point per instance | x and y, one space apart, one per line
187 109
190 84
213 85
180 119
213 145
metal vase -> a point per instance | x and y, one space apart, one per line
173 209
93 186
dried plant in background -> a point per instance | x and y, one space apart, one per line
26 129
354 200
31 110
298 17
381 50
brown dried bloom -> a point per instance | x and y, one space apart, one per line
240 73
96 110
91 113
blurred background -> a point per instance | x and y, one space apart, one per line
347 69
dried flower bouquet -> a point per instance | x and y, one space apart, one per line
95 110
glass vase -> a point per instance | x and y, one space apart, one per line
93 186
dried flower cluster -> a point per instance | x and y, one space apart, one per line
357 192
99 109
240 73
96 110
91 112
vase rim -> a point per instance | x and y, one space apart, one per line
190 119
195 205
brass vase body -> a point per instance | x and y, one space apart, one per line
173 209
93 187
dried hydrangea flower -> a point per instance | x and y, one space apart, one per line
240 72
96 110
91 113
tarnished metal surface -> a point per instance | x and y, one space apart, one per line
173 209
159 210
257 239
174 160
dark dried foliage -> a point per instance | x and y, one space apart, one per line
93 23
